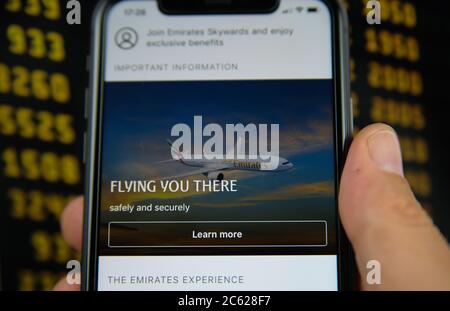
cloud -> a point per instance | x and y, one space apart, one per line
314 136
137 170
296 191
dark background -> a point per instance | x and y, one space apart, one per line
40 161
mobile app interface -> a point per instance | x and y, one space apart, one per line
217 150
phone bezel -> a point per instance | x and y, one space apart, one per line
343 131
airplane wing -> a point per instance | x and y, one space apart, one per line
203 170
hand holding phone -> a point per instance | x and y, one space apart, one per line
358 211
215 146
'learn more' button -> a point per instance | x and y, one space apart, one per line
151 234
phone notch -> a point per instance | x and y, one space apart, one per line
193 7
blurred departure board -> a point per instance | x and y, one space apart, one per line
42 81
399 72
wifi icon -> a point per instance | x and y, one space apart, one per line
299 9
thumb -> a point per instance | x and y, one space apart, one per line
384 221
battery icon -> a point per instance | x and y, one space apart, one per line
313 9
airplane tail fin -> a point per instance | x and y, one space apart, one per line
179 155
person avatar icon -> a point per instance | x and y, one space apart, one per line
126 38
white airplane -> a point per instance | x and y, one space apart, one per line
214 169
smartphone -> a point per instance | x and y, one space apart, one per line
216 138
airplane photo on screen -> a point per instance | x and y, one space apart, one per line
214 169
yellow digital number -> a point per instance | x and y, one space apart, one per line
36 205
30 124
50 168
51 247
27 281
52 9
21 81
25 123
17 39
410 15
56 203
64 128
48 280
392 44
395 79
18 203
7 123
13 5
45 126
57 52
36 43
71 170
42 245
37 47
414 150
63 252
60 88
398 113
372 45
12 167
33 7
5 81
37 83
47 166
30 164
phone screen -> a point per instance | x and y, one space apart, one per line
217 166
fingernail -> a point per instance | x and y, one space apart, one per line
384 149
